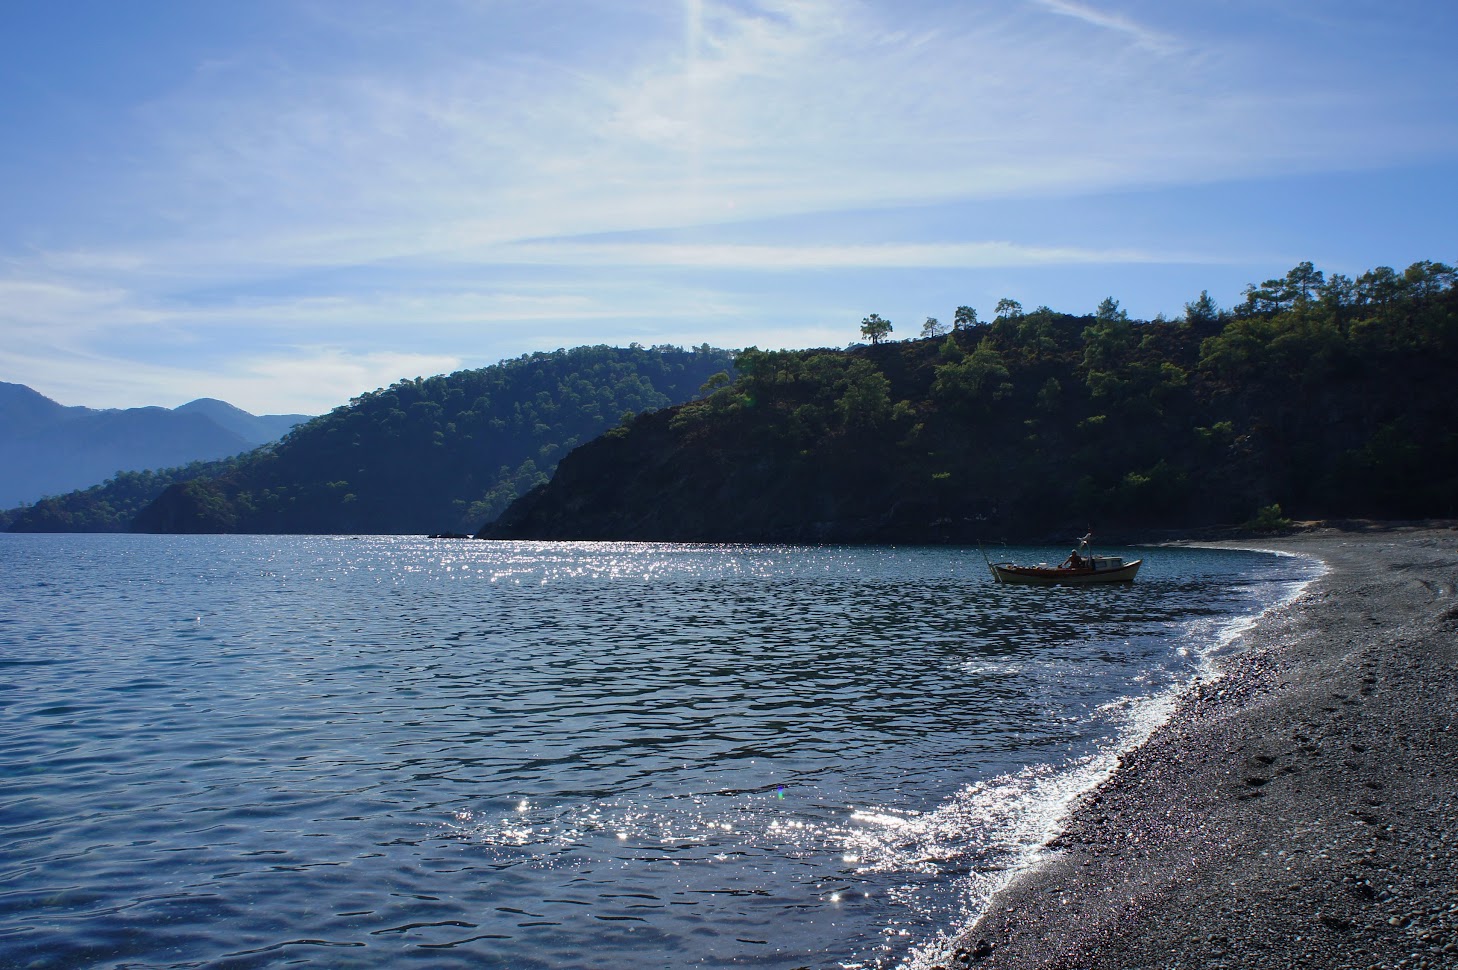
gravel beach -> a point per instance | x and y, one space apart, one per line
1299 811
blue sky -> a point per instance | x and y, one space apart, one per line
285 203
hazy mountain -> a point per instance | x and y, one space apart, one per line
256 428
47 448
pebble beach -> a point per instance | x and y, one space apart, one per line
1300 808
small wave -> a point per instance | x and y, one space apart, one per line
1011 820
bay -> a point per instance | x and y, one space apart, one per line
383 751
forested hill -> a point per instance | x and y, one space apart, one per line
1325 397
424 455
110 506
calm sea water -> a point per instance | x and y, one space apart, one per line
377 752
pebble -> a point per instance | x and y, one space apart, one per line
1331 868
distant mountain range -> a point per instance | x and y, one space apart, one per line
49 449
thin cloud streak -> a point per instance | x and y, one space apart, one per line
779 259
1151 40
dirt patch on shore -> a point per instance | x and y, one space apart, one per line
1299 811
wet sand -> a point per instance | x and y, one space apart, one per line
1299 811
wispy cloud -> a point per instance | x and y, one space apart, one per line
778 108
332 374
780 259
774 108
1145 37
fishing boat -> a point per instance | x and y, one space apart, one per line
1081 568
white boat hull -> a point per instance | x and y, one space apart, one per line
1006 572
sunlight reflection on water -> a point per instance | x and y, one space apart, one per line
554 754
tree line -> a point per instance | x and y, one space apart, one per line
1319 395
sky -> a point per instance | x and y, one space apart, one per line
288 203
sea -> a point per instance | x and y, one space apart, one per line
261 751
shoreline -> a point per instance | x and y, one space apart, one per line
1299 810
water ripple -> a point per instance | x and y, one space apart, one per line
368 752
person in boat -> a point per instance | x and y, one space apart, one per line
1075 558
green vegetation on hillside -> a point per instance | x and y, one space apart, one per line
1327 397
110 506
435 454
